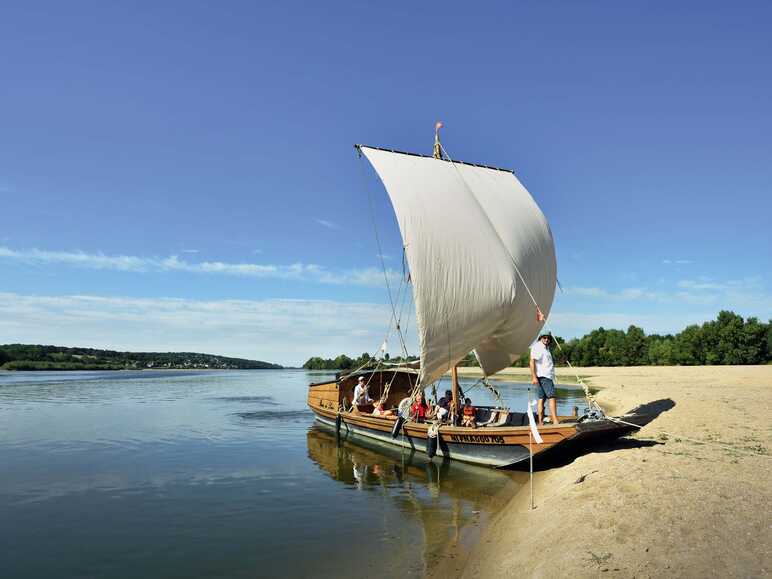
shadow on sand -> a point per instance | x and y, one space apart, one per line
566 453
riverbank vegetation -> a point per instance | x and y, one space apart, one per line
727 340
343 362
36 357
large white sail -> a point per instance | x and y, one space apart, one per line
467 231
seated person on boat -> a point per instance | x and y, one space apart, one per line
419 410
468 418
443 406
379 410
361 395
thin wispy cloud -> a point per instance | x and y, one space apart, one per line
677 261
627 294
705 283
748 294
592 292
696 298
284 331
697 285
311 273
371 277
174 263
189 251
327 224
78 258
574 324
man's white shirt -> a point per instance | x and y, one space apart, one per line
545 367
361 396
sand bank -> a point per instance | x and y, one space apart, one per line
658 504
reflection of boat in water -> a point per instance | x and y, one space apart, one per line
442 497
483 270
337 455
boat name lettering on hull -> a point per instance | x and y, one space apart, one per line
478 438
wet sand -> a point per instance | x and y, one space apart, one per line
689 495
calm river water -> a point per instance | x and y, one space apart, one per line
218 474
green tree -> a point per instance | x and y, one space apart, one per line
636 347
726 343
314 363
753 342
612 352
688 346
660 350
470 360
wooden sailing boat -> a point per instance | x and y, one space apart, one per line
482 261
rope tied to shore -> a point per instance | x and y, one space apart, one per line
719 444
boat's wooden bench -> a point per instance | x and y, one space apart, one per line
492 417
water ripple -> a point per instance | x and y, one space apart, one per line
267 400
263 415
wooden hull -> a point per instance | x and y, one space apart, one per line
495 446
483 454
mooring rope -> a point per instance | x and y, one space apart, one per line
725 445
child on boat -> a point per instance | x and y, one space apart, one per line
468 419
380 411
419 409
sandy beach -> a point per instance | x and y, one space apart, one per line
687 496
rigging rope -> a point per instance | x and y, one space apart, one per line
380 255
591 402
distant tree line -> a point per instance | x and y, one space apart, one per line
35 357
729 339
343 362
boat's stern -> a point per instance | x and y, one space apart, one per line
324 395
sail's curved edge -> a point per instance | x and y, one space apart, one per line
464 227
524 231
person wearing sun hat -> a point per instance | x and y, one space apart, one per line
543 374
361 396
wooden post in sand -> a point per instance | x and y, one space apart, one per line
530 449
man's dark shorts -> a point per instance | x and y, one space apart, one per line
546 388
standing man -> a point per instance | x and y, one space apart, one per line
361 396
543 374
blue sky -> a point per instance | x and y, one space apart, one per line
180 175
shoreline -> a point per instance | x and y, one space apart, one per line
688 495
40 371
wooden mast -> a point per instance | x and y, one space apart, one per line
455 402
454 405
437 152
